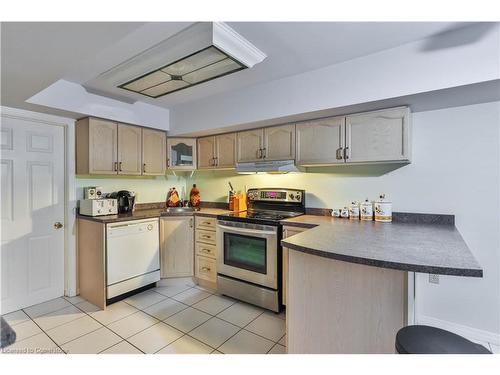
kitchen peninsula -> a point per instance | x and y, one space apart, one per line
348 280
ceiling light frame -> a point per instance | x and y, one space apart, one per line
241 66
237 53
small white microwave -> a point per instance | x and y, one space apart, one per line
98 207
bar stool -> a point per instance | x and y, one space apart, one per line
420 339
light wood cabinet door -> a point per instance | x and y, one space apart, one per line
249 145
129 149
154 152
225 150
279 142
287 232
177 246
102 146
206 153
378 136
181 153
320 142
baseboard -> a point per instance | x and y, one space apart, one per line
466 331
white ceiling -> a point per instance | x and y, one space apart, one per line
35 55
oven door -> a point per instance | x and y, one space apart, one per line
248 252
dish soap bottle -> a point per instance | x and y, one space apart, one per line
195 197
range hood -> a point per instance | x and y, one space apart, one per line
273 166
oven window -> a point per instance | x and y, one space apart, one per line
245 252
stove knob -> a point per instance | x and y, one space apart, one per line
291 196
297 197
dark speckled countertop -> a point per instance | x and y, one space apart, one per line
148 214
427 248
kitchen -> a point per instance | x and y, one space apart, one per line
247 210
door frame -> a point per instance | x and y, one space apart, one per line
68 125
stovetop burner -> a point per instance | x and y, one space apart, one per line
264 215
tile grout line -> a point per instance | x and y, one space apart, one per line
163 321
104 326
43 331
240 329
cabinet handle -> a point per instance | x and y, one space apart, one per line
144 167
207 222
120 167
216 161
346 153
260 153
264 153
116 166
190 223
168 163
339 153
205 268
206 251
206 236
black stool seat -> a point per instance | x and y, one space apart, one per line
431 340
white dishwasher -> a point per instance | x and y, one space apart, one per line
132 255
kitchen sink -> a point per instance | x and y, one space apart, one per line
178 211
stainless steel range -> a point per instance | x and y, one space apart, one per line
249 259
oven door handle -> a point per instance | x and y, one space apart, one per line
249 231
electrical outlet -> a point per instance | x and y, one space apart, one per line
433 279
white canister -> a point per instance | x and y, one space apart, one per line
354 211
366 210
383 210
336 212
344 212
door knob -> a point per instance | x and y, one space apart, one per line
58 225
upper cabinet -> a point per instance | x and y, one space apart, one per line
374 137
274 143
249 145
96 146
106 147
181 153
378 136
206 152
154 152
217 152
129 150
320 142
279 143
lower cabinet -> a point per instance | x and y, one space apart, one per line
177 246
287 232
206 252
205 269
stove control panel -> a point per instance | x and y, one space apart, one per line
276 195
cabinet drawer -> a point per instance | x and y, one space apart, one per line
205 236
205 269
207 223
206 250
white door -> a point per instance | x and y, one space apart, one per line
32 192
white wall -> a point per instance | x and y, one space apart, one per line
461 57
455 170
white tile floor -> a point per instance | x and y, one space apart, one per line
176 317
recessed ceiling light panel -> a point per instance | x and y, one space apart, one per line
201 66
227 52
